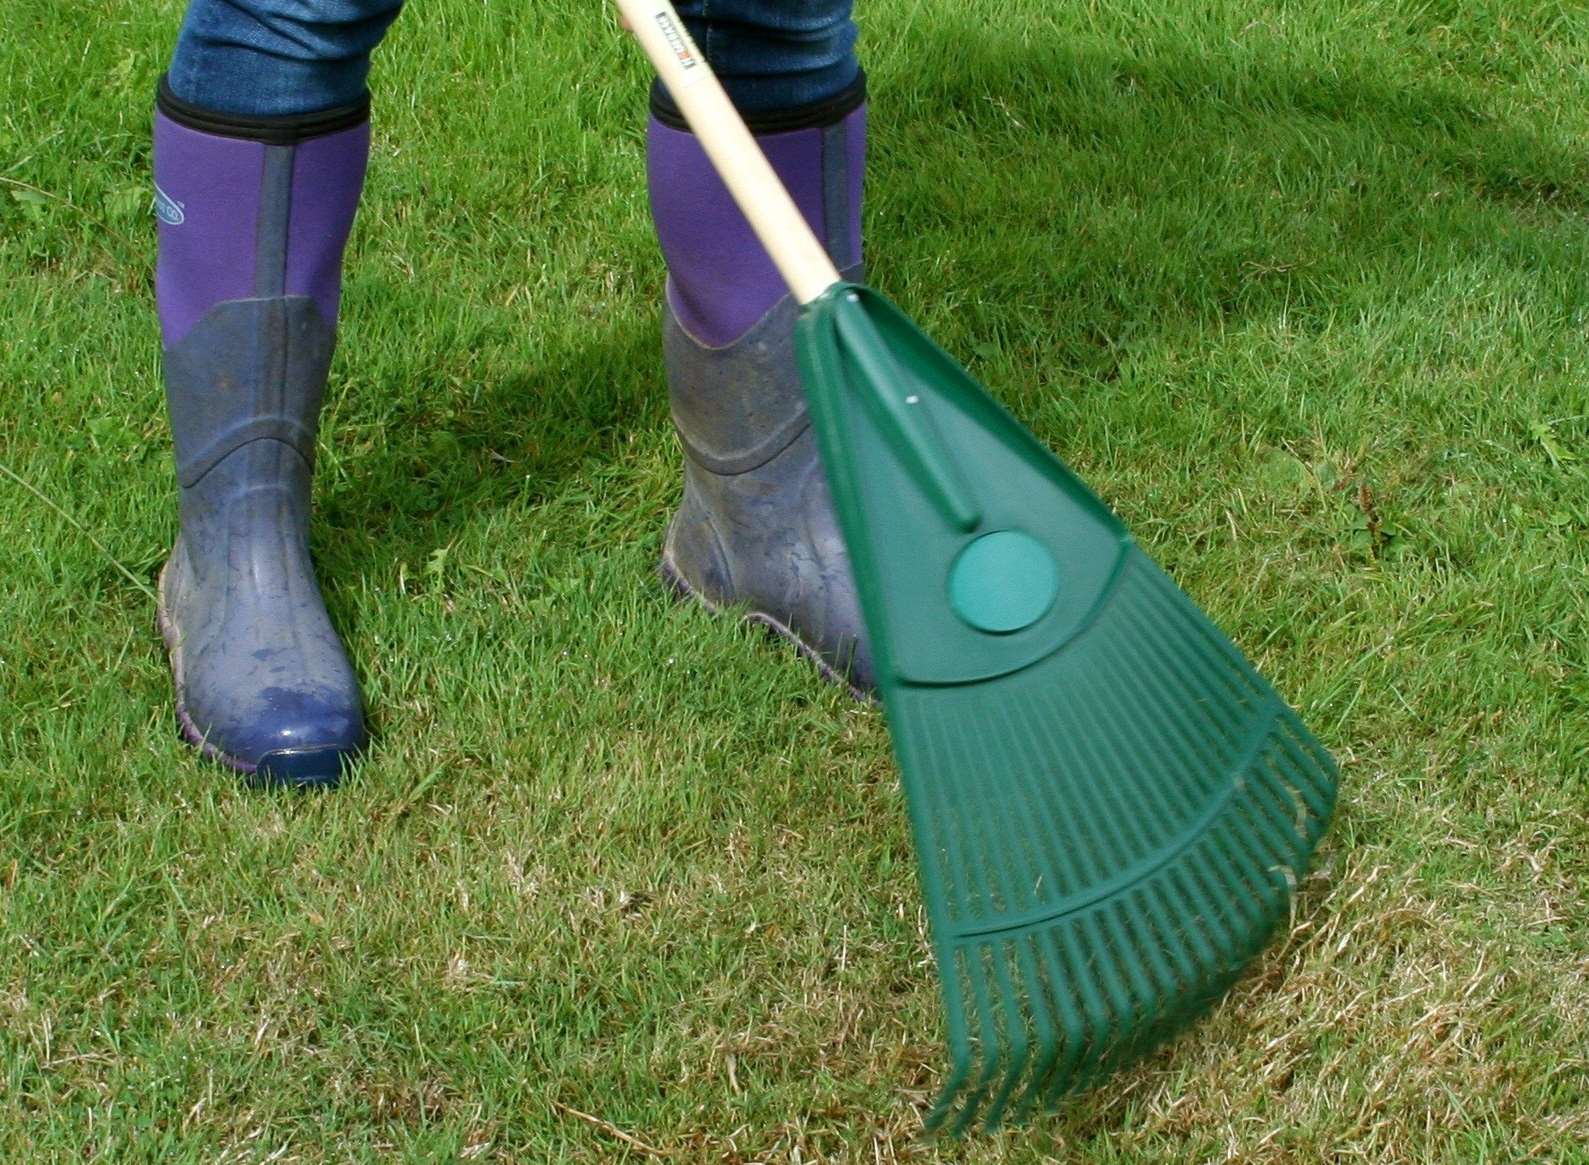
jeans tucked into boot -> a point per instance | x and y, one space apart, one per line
756 527
254 214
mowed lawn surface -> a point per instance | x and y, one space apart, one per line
1301 288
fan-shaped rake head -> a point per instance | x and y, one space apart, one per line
1111 807
1099 878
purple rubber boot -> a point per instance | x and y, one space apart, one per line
756 529
253 215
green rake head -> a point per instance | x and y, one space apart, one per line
1111 808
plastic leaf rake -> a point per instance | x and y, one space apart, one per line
1110 807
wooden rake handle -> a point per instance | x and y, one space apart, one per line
738 160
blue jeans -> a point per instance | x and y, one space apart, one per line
285 58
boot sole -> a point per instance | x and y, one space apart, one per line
682 591
308 768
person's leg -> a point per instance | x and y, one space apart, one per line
277 58
261 138
756 527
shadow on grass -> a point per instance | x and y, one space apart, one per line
449 452
1090 202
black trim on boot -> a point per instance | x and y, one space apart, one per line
273 131
817 115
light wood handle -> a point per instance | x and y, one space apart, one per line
800 258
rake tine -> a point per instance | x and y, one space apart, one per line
1048 1031
987 1044
1016 1048
959 1041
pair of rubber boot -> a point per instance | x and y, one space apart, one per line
254 216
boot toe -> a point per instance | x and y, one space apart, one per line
286 738
304 768
829 630
303 738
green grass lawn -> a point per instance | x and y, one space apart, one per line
1302 288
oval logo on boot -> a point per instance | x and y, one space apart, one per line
167 209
